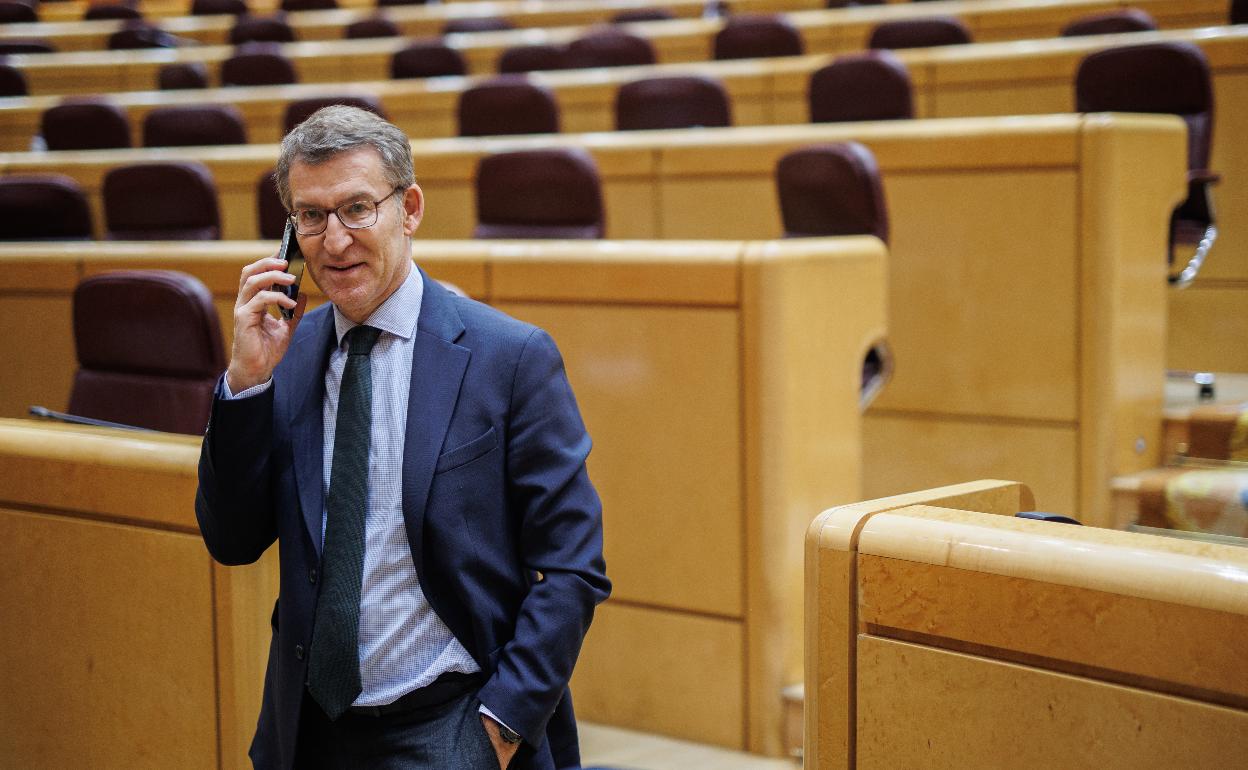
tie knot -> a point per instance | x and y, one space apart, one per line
360 340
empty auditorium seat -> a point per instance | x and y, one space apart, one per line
919 33
161 201
149 350
17 13
757 36
873 85
219 7
476 24
111 11
831 189
12 81
671 102
179 75
309 5
427 59
255 66
302 109
507 105
270 213
642 14
1111 23
85 124
139 35
1172 78
15 45
194 126
532 58
1239 12
44 207
377 26
550 193
252 29
609 48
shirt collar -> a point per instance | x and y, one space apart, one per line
397 315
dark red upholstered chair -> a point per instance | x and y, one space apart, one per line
309 5
507 105
642 14
831 189
476 24
672 102
219 8
139 35
256 65
609 48
551 193
270 212
302 109
111 11
16 45
17 13
427 59
180 75
12 81
255 29
161 202
757 36
1239 12
85 124
1111 23
149 350
532 58
43 207
873 85
919 33
377 26
194 126
1172 78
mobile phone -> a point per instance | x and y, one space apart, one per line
294 265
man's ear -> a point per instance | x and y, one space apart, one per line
414 206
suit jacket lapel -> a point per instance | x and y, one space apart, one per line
438 367
304 383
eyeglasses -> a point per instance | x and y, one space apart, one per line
355 215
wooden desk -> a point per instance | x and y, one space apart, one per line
727 350
942 632
680 40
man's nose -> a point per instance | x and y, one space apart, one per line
337 235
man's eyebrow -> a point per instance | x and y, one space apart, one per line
349 198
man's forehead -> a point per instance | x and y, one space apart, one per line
354 171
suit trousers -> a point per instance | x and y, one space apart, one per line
447 736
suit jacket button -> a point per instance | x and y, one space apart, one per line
298 652
312 576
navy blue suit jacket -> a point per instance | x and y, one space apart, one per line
504 525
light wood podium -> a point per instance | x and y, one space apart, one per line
720 386
942 632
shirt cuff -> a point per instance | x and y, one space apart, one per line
254 390
486 711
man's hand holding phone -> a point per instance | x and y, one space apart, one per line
260 339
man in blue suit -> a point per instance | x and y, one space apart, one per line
420 459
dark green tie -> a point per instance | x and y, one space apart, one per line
334 665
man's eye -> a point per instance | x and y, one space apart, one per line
311 215
357 209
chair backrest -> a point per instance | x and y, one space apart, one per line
14 45
476 24
548 193
257 68
254 29
1239 12
920 33
1170 77
427 59
757 36
12 81
17 13
507 105
85 124
831 189
532 58
149 350
302 109
43 207
873 85
174 201
1111 23
111 11
642 14
139 35
672 102
377 26
194 126
609 48
270 213
219 7
180 75
309 5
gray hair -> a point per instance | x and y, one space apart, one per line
339 128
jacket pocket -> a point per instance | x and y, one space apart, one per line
466 453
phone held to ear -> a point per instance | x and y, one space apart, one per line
294 265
